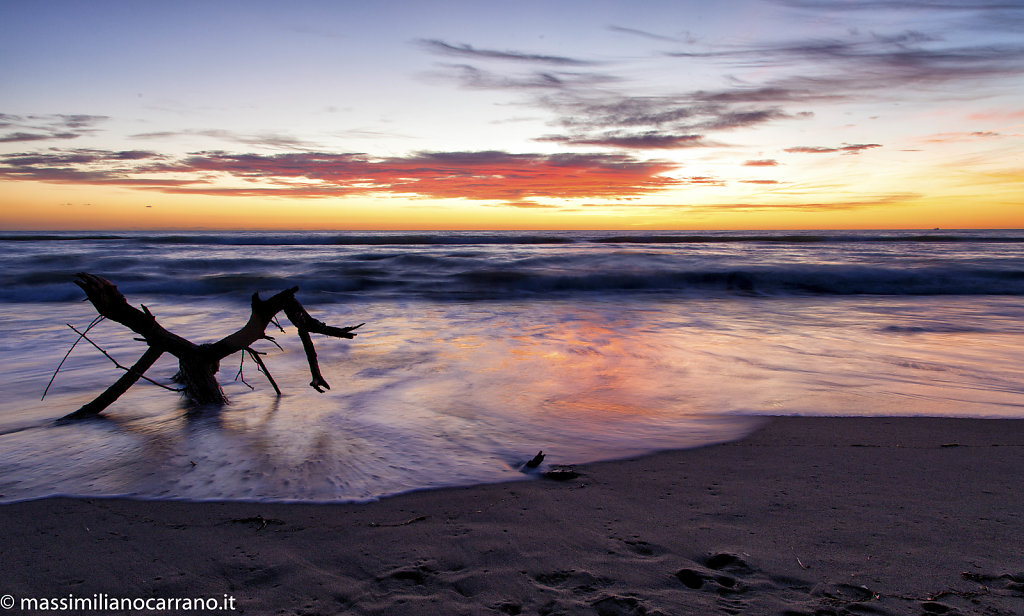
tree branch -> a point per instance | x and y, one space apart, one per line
120 386
109 302
305 324
263 312
263 368
68 354
111 357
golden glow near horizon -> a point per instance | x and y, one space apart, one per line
576 116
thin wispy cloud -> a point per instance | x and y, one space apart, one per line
598 108
848 149
998 115
595 108
638 141
684 37
464 50
869 61
655 122
473 77
20 136
868 201
997 15
264 140
960 137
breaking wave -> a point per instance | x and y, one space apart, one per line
467 266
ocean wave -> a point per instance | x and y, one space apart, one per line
463 266
802 238
462 238
484 283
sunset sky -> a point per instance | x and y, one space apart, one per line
557 114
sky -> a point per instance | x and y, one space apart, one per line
558 114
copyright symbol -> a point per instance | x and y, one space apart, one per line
7 602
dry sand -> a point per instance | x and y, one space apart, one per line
805 516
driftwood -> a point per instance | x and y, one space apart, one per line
198 363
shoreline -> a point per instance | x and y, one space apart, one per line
806 515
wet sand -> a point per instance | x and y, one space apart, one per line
804 516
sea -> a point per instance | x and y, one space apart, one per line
481 349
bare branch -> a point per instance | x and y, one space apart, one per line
111 358
305 324
255 329
119 387
68 354
109 302
241 377
263 368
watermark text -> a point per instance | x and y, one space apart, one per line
102 602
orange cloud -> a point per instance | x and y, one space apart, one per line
488 175
816 206
998 116
961 136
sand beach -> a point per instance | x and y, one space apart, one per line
804 516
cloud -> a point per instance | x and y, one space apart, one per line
693 112
684 37
65 175
77 120
472 77
75 157
764 162
267 140
20 136
999 115
868 201
528 205
587 104
920 5
649 140
846 66
84 166
599 104
704 180
595 109
656 122
47 127
468 51
759 181
482 176
848 149
806 149
774 93
960 137
983 15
